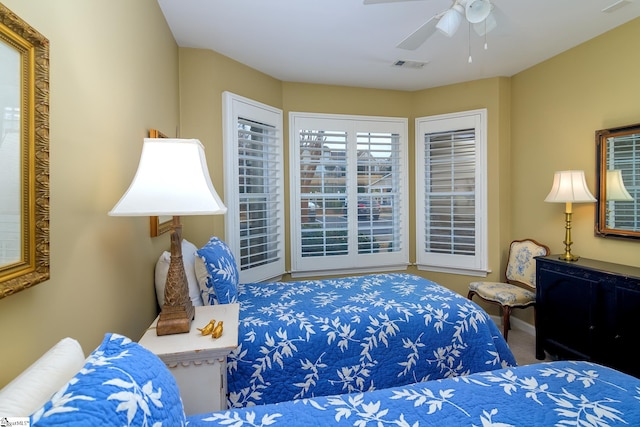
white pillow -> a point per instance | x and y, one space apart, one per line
188 259
207 294
36 384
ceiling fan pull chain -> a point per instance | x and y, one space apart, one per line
469 40
486 46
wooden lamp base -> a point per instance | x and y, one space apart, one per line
175 320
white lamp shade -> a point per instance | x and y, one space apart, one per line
172 179
569 187
477 10
450 21
615 190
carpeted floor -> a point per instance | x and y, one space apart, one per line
523 346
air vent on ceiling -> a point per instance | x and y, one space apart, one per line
416 65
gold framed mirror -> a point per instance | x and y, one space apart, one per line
24 155
618 182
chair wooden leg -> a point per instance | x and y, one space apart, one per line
506 320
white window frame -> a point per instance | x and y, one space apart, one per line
235 107
477 264
352 262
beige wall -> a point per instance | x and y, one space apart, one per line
113 75
204 76
556 108
116 72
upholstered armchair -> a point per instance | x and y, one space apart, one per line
519 289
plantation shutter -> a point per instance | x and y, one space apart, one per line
255 189
323 192
379 183
259 170
349 209
451 193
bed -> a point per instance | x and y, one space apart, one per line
326 337
560 393
121 383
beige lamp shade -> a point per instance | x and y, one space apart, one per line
172 179
615 190
569 187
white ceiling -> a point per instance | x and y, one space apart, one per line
344 42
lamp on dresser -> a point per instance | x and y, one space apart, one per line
172 180
569 187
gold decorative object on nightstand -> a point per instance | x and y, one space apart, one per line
217 331
208 328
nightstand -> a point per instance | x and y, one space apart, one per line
199 362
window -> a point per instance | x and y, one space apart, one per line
254 187
348 187
451 193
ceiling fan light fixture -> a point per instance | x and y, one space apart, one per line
484 27
450 21
477 10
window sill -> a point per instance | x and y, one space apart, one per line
342 272
453 270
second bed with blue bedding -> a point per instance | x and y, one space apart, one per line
324 337
559 393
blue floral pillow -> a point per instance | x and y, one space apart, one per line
218 278
121 384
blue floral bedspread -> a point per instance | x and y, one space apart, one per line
545 394
324 337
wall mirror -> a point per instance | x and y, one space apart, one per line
24 155
618 182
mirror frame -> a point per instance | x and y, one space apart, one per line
33 266
601 228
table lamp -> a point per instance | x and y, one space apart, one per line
569 187
172 180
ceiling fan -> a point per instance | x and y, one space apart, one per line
477 12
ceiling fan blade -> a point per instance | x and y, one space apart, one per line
419 36
383 1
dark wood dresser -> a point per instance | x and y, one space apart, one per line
588 310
